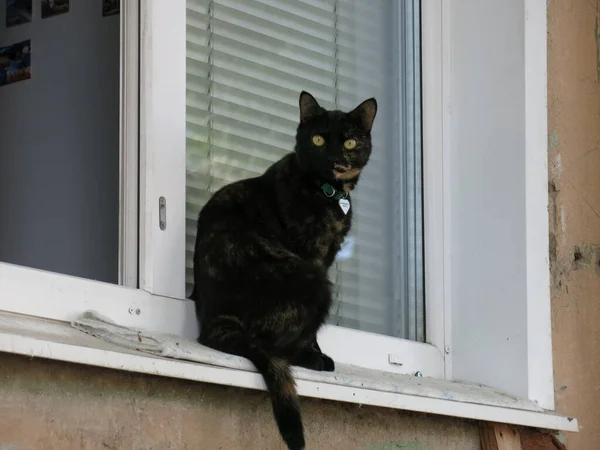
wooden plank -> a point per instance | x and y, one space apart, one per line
496 436
537 440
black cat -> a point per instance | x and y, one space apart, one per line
264 247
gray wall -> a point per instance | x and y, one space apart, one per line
52 405
59 145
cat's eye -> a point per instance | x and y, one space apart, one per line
318 140
350 144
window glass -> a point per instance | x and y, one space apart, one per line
247 62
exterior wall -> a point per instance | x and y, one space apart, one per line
574 165
50 405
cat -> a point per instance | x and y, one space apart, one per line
264 246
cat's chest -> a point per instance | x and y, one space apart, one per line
318 232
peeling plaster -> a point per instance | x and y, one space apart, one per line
587 256
556 166
553 140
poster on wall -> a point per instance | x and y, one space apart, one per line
15 62
51 8
18 12
110 7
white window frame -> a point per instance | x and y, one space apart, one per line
129 181
162 125
162 131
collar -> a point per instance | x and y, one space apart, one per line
330 191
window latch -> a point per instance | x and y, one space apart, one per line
162 213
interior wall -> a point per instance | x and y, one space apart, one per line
59 145
574 174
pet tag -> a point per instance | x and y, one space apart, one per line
344 204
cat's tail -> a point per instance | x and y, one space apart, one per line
227 334
284 398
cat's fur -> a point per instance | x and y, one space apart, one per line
263 250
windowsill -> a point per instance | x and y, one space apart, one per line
57 340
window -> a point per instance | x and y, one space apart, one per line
247 62
485 239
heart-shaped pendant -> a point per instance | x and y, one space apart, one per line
344 204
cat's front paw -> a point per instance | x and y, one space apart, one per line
312 361
328 364
315 361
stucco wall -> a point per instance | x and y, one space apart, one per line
49 405
574 165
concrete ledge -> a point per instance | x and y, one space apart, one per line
44 338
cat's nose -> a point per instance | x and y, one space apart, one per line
340 168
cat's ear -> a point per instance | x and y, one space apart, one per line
309 107
366 112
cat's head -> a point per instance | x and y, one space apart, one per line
334 145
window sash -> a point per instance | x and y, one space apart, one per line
162 160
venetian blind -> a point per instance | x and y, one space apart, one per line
247 62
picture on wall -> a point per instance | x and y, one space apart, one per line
52 8
110 7
15 62
18 12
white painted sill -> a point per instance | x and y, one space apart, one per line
37 337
